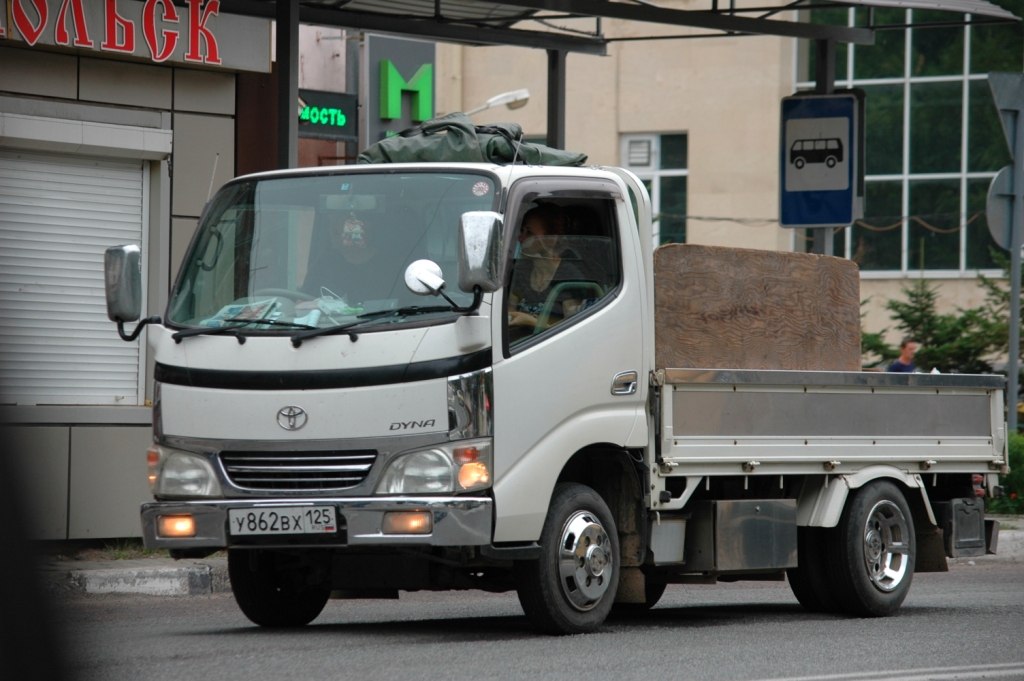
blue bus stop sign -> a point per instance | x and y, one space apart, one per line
818 178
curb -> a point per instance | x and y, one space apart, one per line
184 580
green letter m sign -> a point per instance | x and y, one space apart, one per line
421 85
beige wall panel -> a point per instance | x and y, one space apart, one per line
953 294
108 481
489 71
182 230
41 460
725 94
118 82
197 142
448 78
38 73
590 103
204 91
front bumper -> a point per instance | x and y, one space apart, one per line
458 521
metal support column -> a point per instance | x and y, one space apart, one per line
1016 243
556 99
287 83
825 77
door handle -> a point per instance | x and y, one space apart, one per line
624 383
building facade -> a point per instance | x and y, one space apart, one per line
117 123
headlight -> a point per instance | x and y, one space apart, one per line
470 400
455 467
174 473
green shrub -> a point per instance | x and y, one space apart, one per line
1012 500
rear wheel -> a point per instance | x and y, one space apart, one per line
273 591
873 551
571 587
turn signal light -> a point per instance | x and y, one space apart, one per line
473 475
467 454
408 522
176 526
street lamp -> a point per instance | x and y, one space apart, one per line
516 99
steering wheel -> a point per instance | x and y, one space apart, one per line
544 318
283 292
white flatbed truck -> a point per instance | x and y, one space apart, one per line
349 421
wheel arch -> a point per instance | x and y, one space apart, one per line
612 472
823 497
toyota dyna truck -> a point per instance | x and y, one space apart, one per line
367 381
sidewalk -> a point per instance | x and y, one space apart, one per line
168 577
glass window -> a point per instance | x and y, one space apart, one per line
979 241
877 240
663 170
999 48
936 114
673 209
936 51
934 229
673 152
987 149
282 254
566 262
884 59
883 144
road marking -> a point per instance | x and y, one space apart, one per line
984 671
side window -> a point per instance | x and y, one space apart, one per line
566 262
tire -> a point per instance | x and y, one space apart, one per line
653 591
799 163
872 552
272 595
830 161
810 580
558 593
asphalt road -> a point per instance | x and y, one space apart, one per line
965 624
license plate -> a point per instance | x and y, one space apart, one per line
283 520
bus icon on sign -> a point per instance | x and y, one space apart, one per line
828 151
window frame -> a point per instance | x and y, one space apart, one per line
527 190
653 173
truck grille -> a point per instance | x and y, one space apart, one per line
334 469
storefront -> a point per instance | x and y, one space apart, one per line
117 123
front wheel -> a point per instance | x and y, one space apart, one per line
272 593
873 551
571 587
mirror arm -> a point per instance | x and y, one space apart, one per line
138 329
478 296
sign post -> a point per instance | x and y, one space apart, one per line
1008 188
819 163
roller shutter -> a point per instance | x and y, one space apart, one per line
57 216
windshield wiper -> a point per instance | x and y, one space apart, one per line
366 318
214 330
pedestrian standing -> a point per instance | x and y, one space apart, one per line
905 362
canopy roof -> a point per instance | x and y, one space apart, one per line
527 23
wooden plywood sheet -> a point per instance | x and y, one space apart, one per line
737 308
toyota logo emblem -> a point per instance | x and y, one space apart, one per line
291 418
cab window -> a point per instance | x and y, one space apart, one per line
566 263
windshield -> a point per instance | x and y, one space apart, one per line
313 252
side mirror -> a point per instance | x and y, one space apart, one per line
480 251
423 278
122 271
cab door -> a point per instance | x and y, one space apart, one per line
577 381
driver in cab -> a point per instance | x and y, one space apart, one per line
539 268
349 266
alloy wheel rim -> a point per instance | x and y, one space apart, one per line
585 560
886 546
